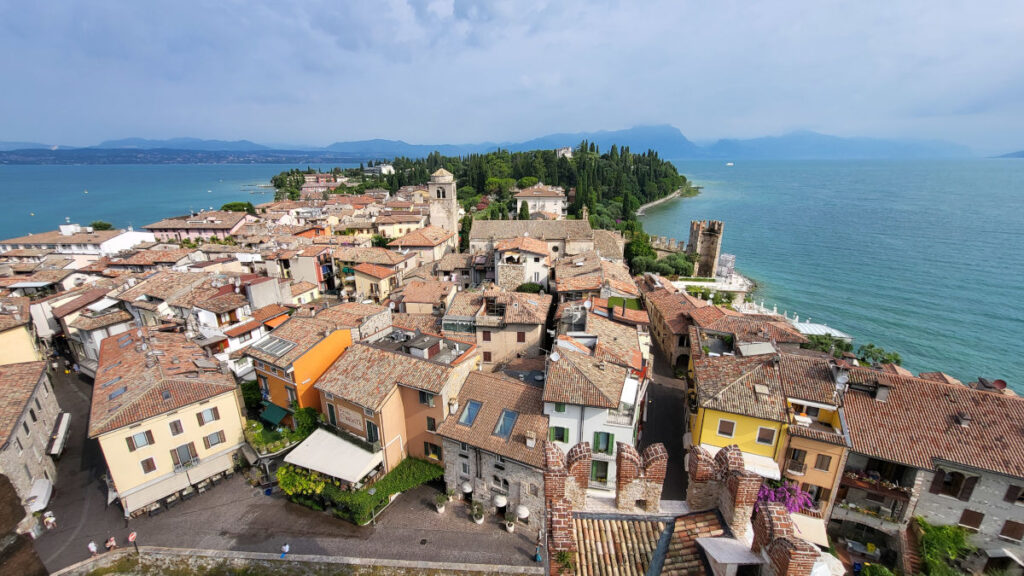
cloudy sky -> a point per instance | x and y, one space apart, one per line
447 71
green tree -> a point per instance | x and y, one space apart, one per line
101 225
524 211
251 395
527 181
875 355
529 288
306 420
827 343
380 241
246 207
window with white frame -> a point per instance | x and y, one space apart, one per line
765 435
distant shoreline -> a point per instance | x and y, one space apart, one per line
677 194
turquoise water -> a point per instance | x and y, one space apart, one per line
135 194
922 257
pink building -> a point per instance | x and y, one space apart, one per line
215 223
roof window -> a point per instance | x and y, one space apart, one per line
469 413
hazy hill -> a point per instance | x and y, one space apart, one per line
181 144
5 146
667 140
812 145
379 148
1019 154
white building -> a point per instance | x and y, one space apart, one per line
76 240
542 198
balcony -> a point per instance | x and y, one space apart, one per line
860 481
879 520
796 468
181 467
372 447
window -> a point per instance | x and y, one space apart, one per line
184 456
214 439
558 434
1013 531
332 416
264 387
486 335
953 484
426 398
536 259
604 442
25 427
148 465
520 336
37 404
1014 495
818 494
765 435
372 432
971 519
534 490
176 428
507 421
465 468
559 406
599 471
500 483
499 462
367 412
487 356
469 413
431 424
726 428
463 447
808 410
139 440
32 415
208 415
432 451
17 442
823 462
293 397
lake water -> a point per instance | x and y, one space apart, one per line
133 194
925 258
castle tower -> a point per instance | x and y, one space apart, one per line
444 206
706 243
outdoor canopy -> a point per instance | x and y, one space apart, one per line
328 454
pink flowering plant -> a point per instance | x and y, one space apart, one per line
788 494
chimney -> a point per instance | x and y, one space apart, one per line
531 439
453 405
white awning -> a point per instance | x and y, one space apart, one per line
729 551
39 497
811 529
328 454
147 494
522 512
60 434
760 465
209 466
500 500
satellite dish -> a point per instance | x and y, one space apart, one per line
999 384
555 356
588 304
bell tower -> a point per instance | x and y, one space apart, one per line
444 206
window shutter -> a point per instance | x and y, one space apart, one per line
192 449
216 413
199 417
968 488
936 487
221 436
611 444
174 458
551 434
1012 493
131 443
206 442
597 437
149 437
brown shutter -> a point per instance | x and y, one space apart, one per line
968 488
206 442
131 443
216 413
1013 530
971 519
940 477
192 449
149 437
174 458
1012 493
199 417
222 437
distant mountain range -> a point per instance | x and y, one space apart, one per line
1019 154
668 141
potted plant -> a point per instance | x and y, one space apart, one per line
477 511
450 494
510 521
440 500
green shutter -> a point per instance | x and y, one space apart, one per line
551 434
597 438
611 443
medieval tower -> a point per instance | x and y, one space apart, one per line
706 243
444 207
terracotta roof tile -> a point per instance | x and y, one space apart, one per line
684 556
584 380
424 237
108 317
523 243
14 312
375 271
428 323
18 383
620 546
366 375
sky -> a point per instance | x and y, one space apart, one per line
445 71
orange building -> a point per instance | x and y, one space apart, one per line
290 359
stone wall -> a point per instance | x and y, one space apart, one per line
564 491
639 480
775 538
989 497
706 243
510 276
485 473
723 482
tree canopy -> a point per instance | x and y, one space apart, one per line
101 225
246 207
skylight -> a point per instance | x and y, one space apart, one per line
118 392
469 413
274 346
505 423
109 382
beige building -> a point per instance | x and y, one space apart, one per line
505 325
168 419
375 282
424 297
398 225
28 415
430 244
542 199
564 237
17 337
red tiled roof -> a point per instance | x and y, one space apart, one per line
523 243
584 380
424 237
378 272
684 555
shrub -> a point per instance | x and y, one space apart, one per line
360 504
566 560
941 546
876 570
529 288
251 394
306 421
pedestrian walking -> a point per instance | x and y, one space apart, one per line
285 549
111 544
76 368
92 548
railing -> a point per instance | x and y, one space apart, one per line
795 467
181 467
851 480
620 418
490 321
363 443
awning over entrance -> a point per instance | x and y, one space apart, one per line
760 465
811 529
328 454
60 434
39 496
146 495
210 466
272 413
1003 553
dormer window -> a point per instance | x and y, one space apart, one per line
469 413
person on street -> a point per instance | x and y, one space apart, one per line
92 548
111 544
285 549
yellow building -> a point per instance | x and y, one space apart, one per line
17 338
168 419
290 359
375 282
